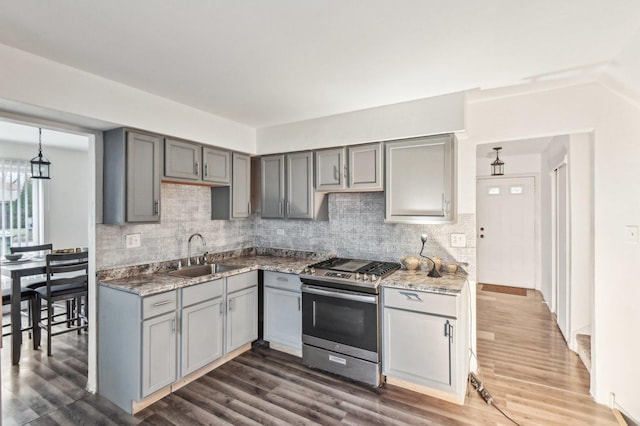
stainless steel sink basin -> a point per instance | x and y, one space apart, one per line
201 270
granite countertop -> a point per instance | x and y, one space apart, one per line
159 280
418 280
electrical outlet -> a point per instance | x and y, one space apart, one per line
132 240
458 240
280 231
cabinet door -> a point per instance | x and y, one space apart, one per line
419 180
182 159
283 317
241 186
299 199
330 169
242 318
365 167
158 353
216 167
272 202
201 341
143 177
418 348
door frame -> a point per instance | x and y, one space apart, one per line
554 246
537 248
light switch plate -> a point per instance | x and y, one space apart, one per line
132 240
458 240
280 231
631 234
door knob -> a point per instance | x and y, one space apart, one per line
481 235
482 229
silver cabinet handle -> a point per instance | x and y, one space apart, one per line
156 207
280 207
414 297
230 304
173 325
299 303
164 302
206 170
197 169
221 308
288 208
283 279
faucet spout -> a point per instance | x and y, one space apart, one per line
204 243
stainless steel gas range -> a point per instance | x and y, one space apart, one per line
341 317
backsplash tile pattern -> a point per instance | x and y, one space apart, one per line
356 229
185 209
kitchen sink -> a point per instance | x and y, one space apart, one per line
201 270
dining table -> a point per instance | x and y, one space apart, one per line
17 270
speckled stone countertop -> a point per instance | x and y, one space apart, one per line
146 280
418 280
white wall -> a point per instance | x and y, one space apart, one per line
66 195
508 115
33 80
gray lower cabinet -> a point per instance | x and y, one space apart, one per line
287 188
420 180
202 325
132 173
242 310
283 311
158 353
353 168
425 340
146 344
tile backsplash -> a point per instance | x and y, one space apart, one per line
355 228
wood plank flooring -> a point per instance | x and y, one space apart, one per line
524 363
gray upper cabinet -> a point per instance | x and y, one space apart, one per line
272 201
287 188
182 159
420 180
241 186
132 173
216 166
330 169
365 167
299 203
354 168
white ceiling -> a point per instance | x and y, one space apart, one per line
264 62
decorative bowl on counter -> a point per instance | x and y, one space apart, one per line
451 268
13 257
411 262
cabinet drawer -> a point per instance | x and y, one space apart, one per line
159 304
240 281
420 301
283 281
201 292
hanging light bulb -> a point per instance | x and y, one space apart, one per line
497 167
40 165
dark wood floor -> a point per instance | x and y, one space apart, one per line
524 364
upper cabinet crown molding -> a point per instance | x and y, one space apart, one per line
353 168
420 180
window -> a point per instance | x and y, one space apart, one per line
20 201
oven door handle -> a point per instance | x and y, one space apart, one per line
339 294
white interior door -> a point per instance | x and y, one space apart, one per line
562 250
506 231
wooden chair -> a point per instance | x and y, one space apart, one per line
27 292
67 280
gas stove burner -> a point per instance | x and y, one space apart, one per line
348 274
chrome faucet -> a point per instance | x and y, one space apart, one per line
204 243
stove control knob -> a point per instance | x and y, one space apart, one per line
357 276
373 278
312 271
365 277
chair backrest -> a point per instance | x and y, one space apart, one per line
29 249
67 264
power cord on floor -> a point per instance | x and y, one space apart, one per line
486 396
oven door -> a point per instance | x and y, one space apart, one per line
341 321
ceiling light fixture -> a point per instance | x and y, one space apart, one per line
40 165
497 167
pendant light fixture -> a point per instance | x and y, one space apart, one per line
40 165
497 167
